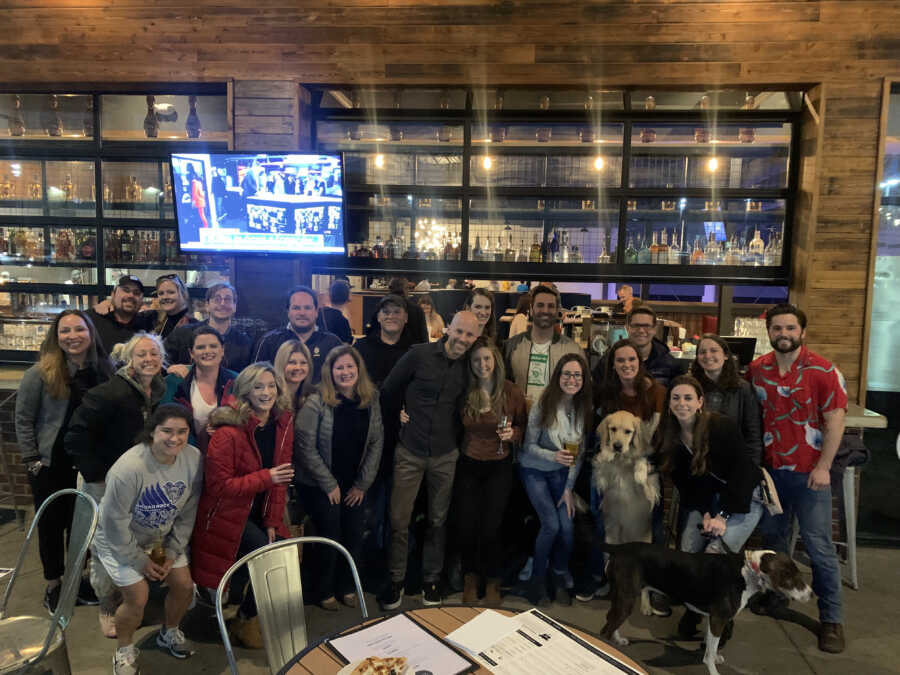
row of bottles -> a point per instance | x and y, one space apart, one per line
22 242
746 250
67 190
141 246
445 247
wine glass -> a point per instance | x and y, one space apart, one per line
502 423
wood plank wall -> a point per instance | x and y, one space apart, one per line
848 47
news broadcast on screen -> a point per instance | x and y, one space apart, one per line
264 203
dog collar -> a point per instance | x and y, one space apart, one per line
753 563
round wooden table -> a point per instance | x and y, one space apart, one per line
319 659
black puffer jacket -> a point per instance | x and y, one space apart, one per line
108 421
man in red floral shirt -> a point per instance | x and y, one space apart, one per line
804 400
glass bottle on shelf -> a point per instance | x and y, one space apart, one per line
171 247
769 251
68 188
603 258
152 252
631 253
534 255
509 255
713 250
654 248
457 244
522 253
564 248
697 253
4 242
64 249
575 255
126 244
35 189
133 191
643 254
756 248
17 119
554 248
477 253
378 248
499 252
6 188
675 252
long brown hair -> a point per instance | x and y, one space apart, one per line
490 328
472 407
728 378
552 396
610 389
53 364
668 434
364 387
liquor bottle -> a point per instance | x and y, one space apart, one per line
654 248
713 250
564 249
662 253
6 188
170 250
499 252
675 252
133 191
127 246
477 252
390 248
575 256
457 244
509 255
643 254
769 252
64 248
167 189
604 257
378 248
17 119
153 247
731 252
554 248
697 253
151 121
756 248
630 252
522 253
107 194
534 255
87 118
192 124
35 189
4 243
68 188
52 121
34 244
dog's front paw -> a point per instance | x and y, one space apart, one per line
641 471
719 659
651 492
620 639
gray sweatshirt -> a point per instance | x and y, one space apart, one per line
146 500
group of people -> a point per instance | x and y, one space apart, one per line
211 431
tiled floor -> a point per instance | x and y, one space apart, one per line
760 645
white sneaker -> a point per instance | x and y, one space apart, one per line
125 661
173 640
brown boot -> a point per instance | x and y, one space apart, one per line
470 589
492 593
831 638
246 633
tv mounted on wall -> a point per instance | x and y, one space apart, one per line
259 203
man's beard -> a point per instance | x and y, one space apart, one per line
794 345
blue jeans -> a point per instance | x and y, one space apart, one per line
545 490
739 528
813 511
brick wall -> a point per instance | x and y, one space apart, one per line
14 489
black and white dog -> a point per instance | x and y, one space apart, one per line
717 586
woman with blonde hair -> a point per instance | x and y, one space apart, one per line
293 365
338 440
174 305
72 360
246 474
494 420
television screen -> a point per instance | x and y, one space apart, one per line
251 202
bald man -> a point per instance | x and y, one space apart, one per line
430 381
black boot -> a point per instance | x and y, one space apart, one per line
559 591
536 592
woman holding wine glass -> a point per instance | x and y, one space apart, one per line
494 420
548 470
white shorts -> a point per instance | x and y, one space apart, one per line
125 575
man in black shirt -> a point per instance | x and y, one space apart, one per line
430 379
221 303
122 322
302 309
417 327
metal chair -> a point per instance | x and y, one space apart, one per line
275 578
29 640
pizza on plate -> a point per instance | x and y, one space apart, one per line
374 665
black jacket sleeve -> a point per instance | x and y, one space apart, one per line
729 459
178 344
751 422
82 440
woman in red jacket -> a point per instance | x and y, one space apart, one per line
247 470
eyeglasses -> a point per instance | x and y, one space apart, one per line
566 375
391 312
641 326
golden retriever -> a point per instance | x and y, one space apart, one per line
624 478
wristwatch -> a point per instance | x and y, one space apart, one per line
34 468
724 515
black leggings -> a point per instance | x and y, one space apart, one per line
254 537
56 523
482 495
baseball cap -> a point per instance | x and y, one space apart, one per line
393 299
130 279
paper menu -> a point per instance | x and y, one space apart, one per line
401 636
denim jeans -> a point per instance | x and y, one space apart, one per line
739 528
545 490
813 511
